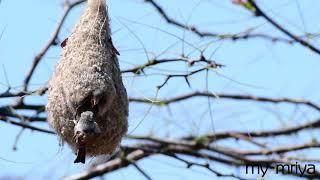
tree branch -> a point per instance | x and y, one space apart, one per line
239 36
259 12
52 41
227 96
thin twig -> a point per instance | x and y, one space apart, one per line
52 41
25 125
259 12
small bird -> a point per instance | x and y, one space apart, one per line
85 130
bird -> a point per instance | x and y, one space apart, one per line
87 100
85 130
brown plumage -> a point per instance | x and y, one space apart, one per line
88 80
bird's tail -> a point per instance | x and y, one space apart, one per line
81 156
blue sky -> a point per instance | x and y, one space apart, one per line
255 66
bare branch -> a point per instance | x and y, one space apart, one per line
239 36
52 41
141 171
228 96
24 125
109 166
259 12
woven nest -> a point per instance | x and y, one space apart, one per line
89 63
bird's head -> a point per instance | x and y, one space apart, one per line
86 117
86 126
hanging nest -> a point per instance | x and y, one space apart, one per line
88 79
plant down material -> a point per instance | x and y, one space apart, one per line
87 101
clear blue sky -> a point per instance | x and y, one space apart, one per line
256 67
